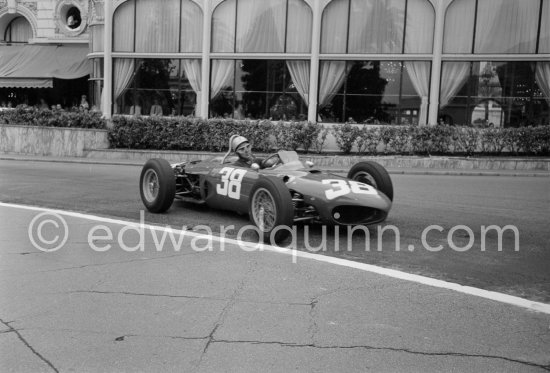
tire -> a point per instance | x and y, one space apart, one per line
270 206
157 185
373 174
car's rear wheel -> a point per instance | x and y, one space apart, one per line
373 174
270 208
157 185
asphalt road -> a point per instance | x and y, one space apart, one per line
106 299
450 210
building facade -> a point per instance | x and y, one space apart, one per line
365 61
43 52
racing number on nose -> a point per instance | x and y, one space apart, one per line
342 187
231 182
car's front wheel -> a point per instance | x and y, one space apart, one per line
157 185
271 209
373 174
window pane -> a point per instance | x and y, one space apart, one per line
373 91
261 25
191 27
123 27
153 80
158 29
459 27
223 27
376 26
420 27
544 42
498 94
263 89
507 26
334 31
252 87
299 23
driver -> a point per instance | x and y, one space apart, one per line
243 150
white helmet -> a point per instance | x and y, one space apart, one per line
235 141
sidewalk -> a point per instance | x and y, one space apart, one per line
409 165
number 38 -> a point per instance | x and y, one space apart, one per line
231 182
342 187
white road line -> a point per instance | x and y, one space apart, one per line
492 295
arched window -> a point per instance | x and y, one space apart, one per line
19 30
376 26
495 26
252 26
143 26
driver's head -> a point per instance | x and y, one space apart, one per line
242 147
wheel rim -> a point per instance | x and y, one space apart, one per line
150 185
365 177
264 211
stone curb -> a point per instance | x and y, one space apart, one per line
344 162
394 165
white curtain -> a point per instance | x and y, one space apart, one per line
544 42
507 26
299 26
191 27
453 77
123 72
332 76
459 27
223 27
261 26
21 30
420 27
220 75
123 28
299 72
542 75
193 71
419 72
335 27
376 26
158 26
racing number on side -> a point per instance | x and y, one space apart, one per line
231 182
342 187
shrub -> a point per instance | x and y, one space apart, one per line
319 142
466 139
368 140
346 136
31 116
189 133
396 139
492 140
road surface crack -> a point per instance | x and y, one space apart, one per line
146 294
225 310
374 348
22 339
116 262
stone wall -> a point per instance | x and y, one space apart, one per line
51 141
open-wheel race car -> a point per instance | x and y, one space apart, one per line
280 191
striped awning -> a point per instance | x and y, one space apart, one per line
35 66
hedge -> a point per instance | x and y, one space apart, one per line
32 116
188 133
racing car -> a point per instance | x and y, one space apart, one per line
279 192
